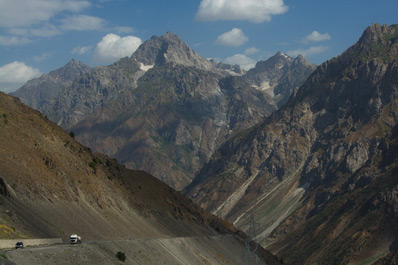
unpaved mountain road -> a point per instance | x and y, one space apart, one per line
217 250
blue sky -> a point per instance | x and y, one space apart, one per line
37 36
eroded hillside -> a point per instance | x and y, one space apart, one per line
52 186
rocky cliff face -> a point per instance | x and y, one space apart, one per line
92 91
318 171
176 118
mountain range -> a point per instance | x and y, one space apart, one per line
304 159
165 109
319 175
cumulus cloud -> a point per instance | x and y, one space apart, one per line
22 13
242 60
82 22
252 50
252 10
113 47
307 52
15 74
316 36
81 50
235 38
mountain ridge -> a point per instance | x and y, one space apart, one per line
118 109
296 172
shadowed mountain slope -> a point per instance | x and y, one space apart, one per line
51 186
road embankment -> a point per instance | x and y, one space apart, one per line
10 243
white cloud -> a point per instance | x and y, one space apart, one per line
13 40
242 60
15 74
81 50
316 36
253 10
45 31
235 38
252 50
112 47
42 57
82 22
308 52
22 13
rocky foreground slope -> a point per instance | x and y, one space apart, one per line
320 174
52 186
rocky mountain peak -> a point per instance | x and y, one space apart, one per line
381 34
71 70
300 60
169 48
378 43
279 75
50 84
276 61
171 37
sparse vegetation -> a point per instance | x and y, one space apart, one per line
93 164
72 134
121 256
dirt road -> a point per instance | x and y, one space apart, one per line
217 250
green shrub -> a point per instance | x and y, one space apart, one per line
121 256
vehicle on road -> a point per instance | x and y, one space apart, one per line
75 239
19 245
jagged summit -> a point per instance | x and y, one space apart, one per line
169 48
279 75
276 61
377 46
381 34
50 84
378 42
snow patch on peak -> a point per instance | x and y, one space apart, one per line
286 56
145 68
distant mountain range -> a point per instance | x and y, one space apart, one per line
166 109
320 174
